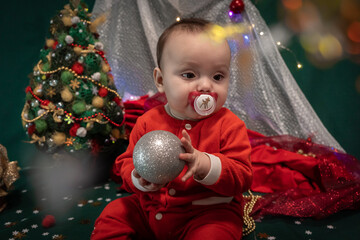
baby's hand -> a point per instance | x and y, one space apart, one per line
147 185
198 162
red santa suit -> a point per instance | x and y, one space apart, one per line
209 208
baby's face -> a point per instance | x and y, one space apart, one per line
192 62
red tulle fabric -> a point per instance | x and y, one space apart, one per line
298 177
317 185
133 110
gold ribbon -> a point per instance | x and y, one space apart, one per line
68 11
9 173
90 49
49 108
26 110
57 112
97 119
36 138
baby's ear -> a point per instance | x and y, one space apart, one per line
158 79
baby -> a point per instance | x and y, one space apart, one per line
205 200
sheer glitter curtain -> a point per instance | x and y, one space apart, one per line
262 91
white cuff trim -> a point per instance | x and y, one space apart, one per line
214 173
136 183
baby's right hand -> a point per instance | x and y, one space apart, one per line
147 185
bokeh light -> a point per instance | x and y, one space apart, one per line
329 31
330 47
353 31
218 33
303 19
292 4
354 48
350 9
310 42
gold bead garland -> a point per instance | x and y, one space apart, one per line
249 221
69 118
77 76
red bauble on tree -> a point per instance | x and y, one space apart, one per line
55 44
237 6
73 129
78 68
31 129
117 101
103 92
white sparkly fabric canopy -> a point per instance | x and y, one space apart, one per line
262 92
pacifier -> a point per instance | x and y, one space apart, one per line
204 104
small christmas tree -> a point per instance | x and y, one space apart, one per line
72 104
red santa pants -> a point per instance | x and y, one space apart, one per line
124 218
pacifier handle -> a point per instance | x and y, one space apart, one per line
203 103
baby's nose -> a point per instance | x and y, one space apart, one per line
204 84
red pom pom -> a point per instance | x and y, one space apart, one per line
48 221
78 68
237 6
73 129
31 129
102 92
27 89
117 101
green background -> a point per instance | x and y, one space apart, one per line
24 26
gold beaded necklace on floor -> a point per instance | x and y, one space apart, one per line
249 221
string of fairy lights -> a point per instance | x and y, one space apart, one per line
221 33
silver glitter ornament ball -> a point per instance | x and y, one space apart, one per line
156 156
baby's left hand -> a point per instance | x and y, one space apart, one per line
145 184
198 162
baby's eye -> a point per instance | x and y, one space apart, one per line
218 77
188 75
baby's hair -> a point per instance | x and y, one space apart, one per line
191 25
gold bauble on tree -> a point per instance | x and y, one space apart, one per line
66 95
98 102
77 50
59 138
67 21
115 133
50 42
